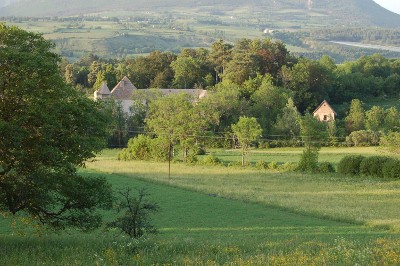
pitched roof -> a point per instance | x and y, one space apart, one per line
123 90
196 93
326 104
104 90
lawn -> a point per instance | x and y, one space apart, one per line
216 215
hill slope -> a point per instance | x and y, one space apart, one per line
346 12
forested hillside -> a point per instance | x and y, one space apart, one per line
347 12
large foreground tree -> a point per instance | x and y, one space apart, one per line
47 130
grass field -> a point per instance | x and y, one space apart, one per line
217 215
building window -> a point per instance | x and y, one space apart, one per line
325 118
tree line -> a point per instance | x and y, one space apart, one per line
243 65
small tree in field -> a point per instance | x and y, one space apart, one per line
313 133
247 129
135 220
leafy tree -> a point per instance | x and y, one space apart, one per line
267 102
246 130
224 105
392 119
47 130
310 81
187 71
243 64
287 123
220 55
375 118
355 120
178 119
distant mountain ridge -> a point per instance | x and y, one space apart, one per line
339 11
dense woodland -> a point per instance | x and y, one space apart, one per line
254 78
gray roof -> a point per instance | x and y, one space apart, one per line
123 90
104 90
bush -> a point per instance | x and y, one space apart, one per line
261 164
288 167
273 165
363 138
139 148
391 141
211 160
191 159
135 219
326 167
309 161
372 166
145 148
391 169
350 165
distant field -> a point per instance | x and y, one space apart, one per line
370 46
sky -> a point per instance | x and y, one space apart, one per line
392 5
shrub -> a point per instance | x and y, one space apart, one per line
288 167
273 165
372 166
391 141
391 169
326 167
309 161
191 159
211 160
261 164
350 165
363 138
139 148
135 218
145 148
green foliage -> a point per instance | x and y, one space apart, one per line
350 164
326 167
391 141
273 165
261 164
178 120
309 161
247 129
211 159
313 131
363 138
391 169
135 220
145 148
47 130
355 120
287 123
373 166
375 118
139 148
288 167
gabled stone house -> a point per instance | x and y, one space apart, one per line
124 90
325 112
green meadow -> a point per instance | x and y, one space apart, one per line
219 215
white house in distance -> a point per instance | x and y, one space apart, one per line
123 92
325 112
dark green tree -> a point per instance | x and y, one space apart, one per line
47 130
355 120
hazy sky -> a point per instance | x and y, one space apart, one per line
392 5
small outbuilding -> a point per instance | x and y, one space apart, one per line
325 112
